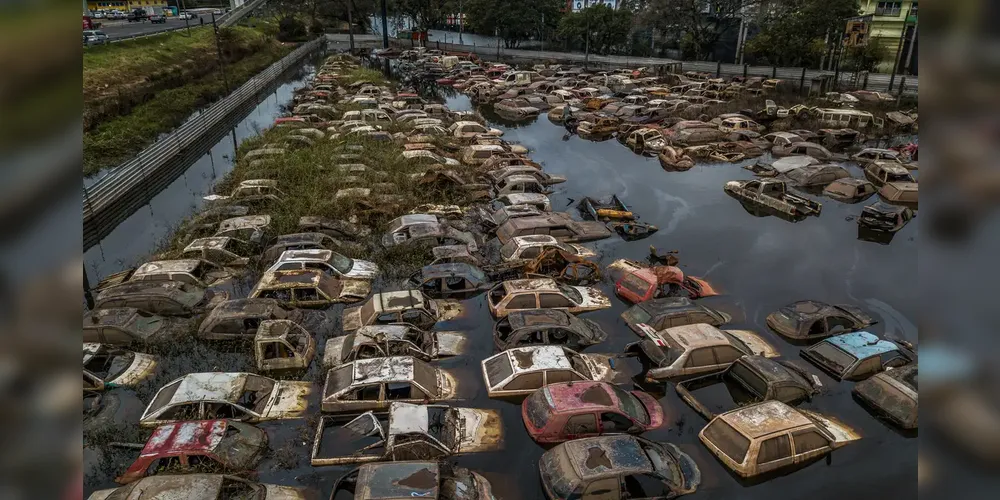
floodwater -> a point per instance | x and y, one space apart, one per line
759 263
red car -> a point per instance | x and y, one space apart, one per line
570 410
648 283
289 119
199 446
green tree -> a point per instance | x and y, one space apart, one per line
697 24
513 21
607 28
425 14
866 57
793 31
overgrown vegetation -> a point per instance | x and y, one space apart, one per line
136 90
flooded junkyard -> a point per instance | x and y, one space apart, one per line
746 252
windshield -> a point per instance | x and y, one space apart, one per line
579 364
727 440
240 445
341 263
109 366
558 473
440 422
425 375
663 463
572 293
631 405
635 315
339 379
256 393
832 356
146 324
507 250
897 177
368 311
537 409
498 368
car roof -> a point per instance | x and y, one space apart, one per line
452 269
237 307
406 418
518 198
168 266
295 238
171 289
697 335
531 285
212 242
862 344
539 357
290 279
209 386
246 221
885 208
395 301
539 317
891 167
193 486
308 255
764 418
534 239
411 219
391 369
582 396
115 316
397 480
187 437
772 370
604 456
274 328
667 305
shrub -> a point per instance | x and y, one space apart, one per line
291 29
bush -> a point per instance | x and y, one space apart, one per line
317 28
291 29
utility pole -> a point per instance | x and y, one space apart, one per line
909 50
218 49
350 24
385 27
586 46
899 49
461 22
739 42
187 26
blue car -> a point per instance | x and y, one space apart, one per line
857 355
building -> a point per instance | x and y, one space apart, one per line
125 5
886 28
578 5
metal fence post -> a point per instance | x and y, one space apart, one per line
774 71
745 68
718 69
864 81
802 81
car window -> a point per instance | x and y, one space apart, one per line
726 354
700 357
531 252
806 441
728 440
553 376
524 301
645 486
837 324
306 294
553 300
867 367
181 412
370 392
614 422
746 377
581 424
525 381
776 448
789 393
604 489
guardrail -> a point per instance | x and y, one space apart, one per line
225 20
123 185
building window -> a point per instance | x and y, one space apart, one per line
888 9
913 9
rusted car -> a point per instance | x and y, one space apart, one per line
638 283
199 446
770 436
425 229
128 326
696 349
815 320
900 193
199 487
441 280
543 293
251 191
882 172
563 266
538 201
857 355
239 319
598 127
617 467
407 306
497 175
882 217
674 159
773 195
869 155
246 397
556 224
477 154
527 248
469 129
409 479
206 222
304 241
412 432
221 251
282 346
545 326
646 141
892 395
520 371
814 176
309 288
331 263
752 379
690 132
107 367
571 410
194 272
805 149
252 228
782 139
165 298
383 341
849 190
651 316
372 384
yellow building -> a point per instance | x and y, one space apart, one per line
888 20
124 5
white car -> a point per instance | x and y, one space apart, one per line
530 247
107 367
331 263
521 371
423 157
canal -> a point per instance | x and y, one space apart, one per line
759 263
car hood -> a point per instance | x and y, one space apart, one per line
478 430
582 251
842 434
593 298
277 492
596 333
142 367
351 319
333 352
362 269
288 401
755 342
653 408
447 309
691 475
601 366
450 343
354 289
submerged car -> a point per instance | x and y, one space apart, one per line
556 224
407 306
857 355
239 319
814 320
774 195
900 193
882 217
439 481
688 350
282 346
238 396
425 229
545 326
526 248
222 251
815 176
301 241
309 288
383 341
571 410
414 432
752 379
107 367
519 371
127 326
448 279
769 436
199 487
651 316
199 446
164 298
329 262
849 190
639 283
892 394
543 293
881 172
333 227
617 467
195 272
372 384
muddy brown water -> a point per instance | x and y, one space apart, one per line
759 263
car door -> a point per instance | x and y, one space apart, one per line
774 453
308 297
809 444
556 301
581 426
701 360
645 486
615 423
604 489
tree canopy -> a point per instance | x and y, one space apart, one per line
608 28
514 21
792 31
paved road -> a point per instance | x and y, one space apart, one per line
123 29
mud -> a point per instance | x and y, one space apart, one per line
596 395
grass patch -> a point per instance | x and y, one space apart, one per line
120 138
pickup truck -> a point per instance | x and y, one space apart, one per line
773 194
